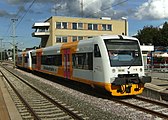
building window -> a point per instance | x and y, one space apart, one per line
74 26
58 39
89 26
95 27
64 39
80 38
58 25
61 25
92 26
74 38
90 37
80 26
103 26
109 27
64 25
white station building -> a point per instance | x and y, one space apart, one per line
145 49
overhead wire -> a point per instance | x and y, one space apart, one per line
26 12
22 17
119 3
17 15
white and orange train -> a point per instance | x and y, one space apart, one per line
113 62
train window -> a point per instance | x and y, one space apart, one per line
51 60
123 53
83 61
34 59
19 60
58 59
26 59
90 61
96 51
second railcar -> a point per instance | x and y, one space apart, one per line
24 60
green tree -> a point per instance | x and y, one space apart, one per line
156 36
164 32
149 34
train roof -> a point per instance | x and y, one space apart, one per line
86 41
117 37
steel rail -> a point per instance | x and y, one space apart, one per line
152 101
22 99
141 108
66 110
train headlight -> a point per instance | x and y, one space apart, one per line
141 69
113 70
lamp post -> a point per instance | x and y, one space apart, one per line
13 36
126 25
1 49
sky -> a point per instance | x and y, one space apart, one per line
139 13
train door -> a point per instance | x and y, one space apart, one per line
38 63
23 59
97 65
66 63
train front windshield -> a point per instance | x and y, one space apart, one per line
123 52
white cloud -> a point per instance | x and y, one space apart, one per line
153 9
91 8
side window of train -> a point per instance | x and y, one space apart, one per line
82 61
96 51
26 59
51 60
33 59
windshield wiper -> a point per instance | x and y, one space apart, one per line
132 63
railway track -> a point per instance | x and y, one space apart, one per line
33 103
152 107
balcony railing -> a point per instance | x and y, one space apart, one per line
41 32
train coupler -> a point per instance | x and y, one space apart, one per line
128 89
136 89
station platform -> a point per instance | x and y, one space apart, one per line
157 89
8 110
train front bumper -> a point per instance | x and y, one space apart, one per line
131 80
128 85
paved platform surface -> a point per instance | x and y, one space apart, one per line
8 110
158 88
4 115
